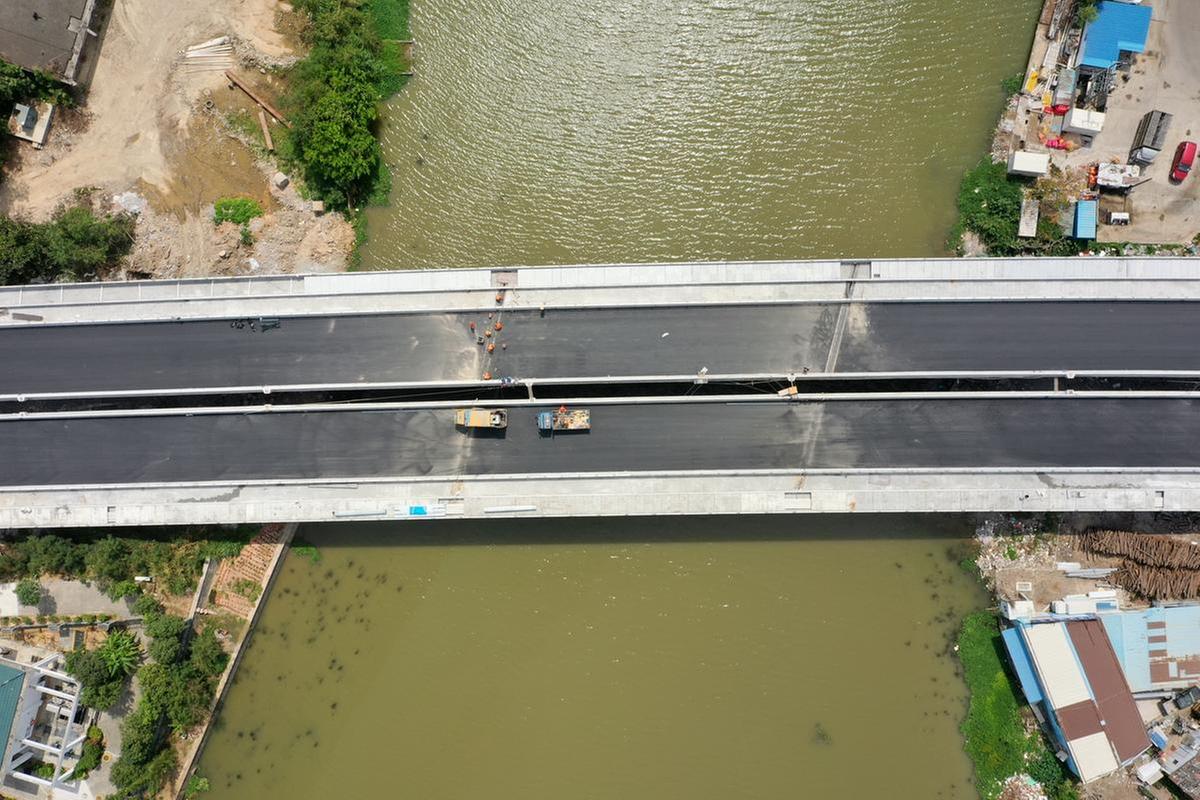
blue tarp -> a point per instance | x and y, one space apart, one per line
1022 665
1085 219
1119 27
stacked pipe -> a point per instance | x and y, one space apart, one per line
215 54
1157 583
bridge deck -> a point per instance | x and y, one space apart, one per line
743 339
868 434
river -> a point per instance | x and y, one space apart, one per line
691 658
540 660
576 131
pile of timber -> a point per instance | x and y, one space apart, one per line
211 56
1143 548
1157 583
1154 567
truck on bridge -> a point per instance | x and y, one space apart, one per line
492 419
562 420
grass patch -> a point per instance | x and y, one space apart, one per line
239 210
305 550
994 735
390 18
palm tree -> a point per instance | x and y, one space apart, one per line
121 653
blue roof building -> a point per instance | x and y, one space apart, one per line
1072 679
1120 27
1159 648
1085 219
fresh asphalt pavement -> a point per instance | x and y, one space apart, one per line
676 340
356 443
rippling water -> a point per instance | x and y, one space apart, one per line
636 659
546 131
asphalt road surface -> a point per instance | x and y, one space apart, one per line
604 342
1074 432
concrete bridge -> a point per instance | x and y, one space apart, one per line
778 387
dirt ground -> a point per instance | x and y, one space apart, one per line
152 134
1163 78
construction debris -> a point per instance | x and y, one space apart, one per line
270 109
213 55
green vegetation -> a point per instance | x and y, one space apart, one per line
354 62
101 688
994 733
989 205
247 588
1012 84
18 85
92 755
120 653
29 592
238 210
176 690
74 245
113 562
196 786
1087 11
306 550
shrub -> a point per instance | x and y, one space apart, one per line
208 657
146 607
73 245
120 653
161 626
238 210
993 733
110 560
196 785
989 204
90 758
167 650
123 589
29 592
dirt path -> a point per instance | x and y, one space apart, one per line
150 130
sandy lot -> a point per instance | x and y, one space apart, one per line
155 128
1166 77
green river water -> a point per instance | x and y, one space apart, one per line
705 658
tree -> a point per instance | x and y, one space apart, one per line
163 626
166 650
146 607
208 657
100 689
120 653
109 561
29 592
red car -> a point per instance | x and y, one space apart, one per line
1185 154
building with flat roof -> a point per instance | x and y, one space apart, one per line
1072 679
1118 28
46 35
40 723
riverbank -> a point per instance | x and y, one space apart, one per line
164 155
1071 124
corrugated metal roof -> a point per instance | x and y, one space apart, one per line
1173 634
1119 26
1118 713
12 680
1020 662
1085 219
1060 673
1093 756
